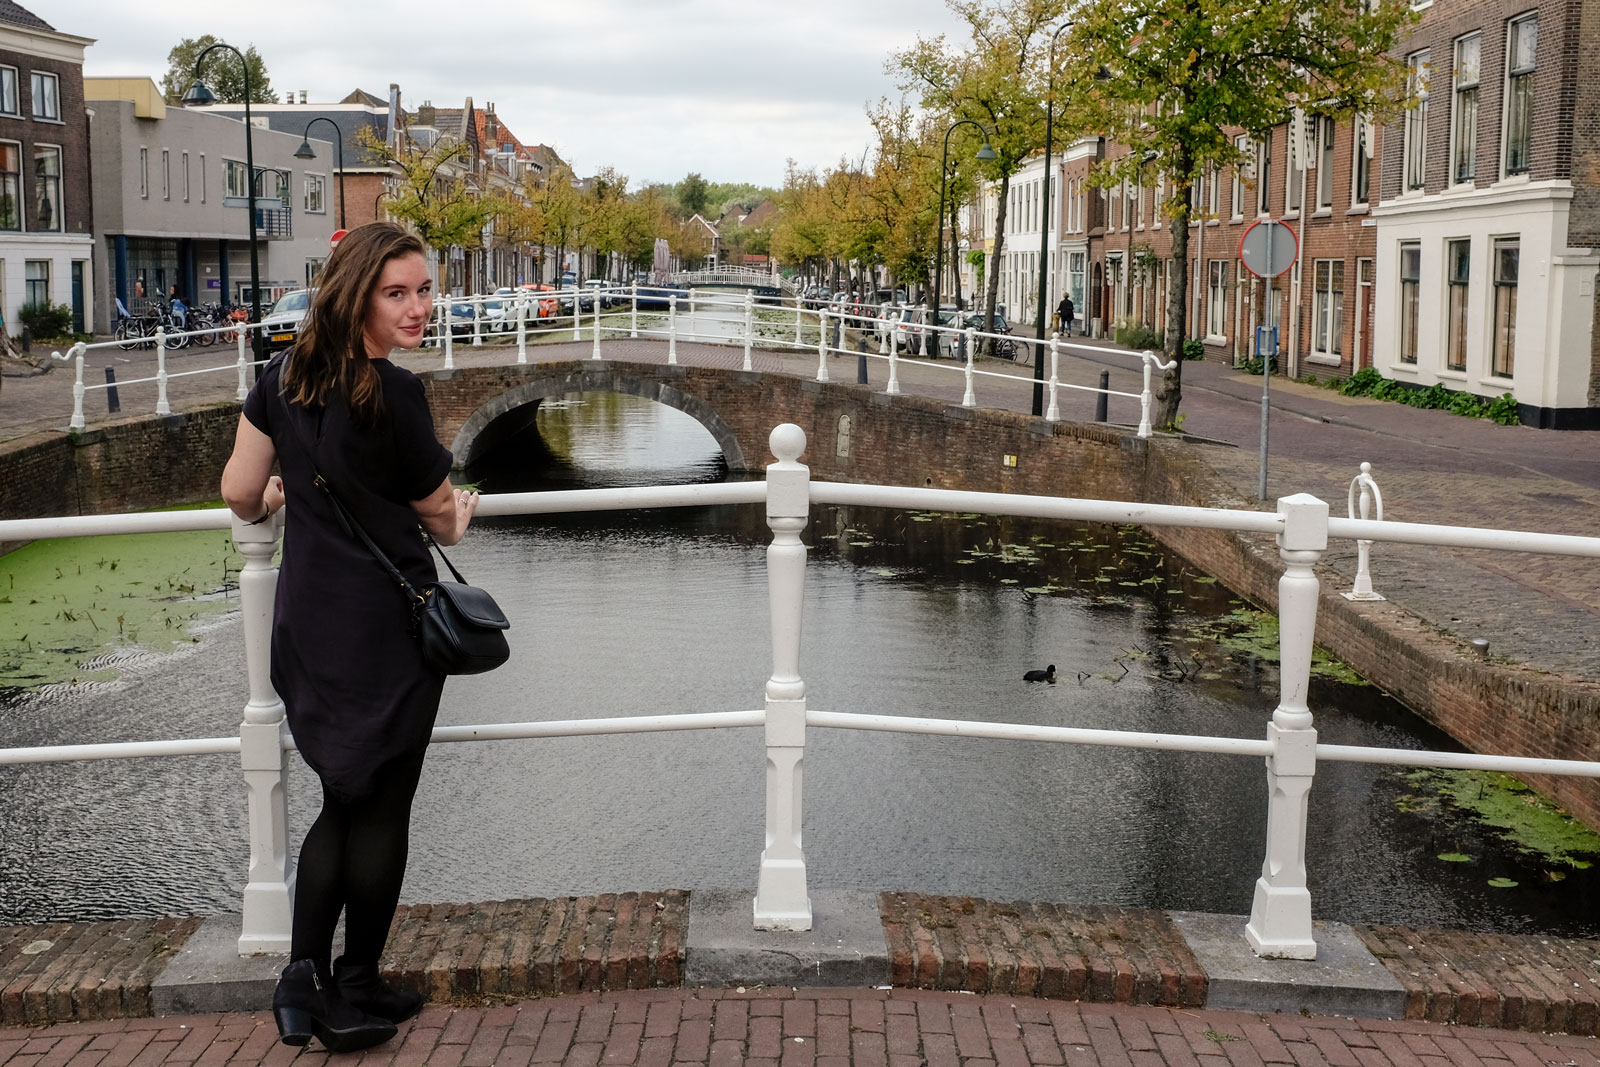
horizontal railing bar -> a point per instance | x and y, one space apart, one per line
635 724
650 496
199 746
1044 507
1471 761
99 525
1008 731
1417 533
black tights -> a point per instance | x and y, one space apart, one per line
353 860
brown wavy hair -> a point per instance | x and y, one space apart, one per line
329 357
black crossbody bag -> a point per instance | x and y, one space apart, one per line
461 629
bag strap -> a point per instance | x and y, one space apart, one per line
352 526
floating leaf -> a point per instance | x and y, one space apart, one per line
1503 883
1455 857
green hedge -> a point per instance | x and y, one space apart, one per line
1368 382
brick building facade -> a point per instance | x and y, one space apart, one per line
46 215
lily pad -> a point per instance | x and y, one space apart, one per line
1503 883
1455 857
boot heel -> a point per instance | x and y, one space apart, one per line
294 1025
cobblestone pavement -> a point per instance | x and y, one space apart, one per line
1432 467
809 1028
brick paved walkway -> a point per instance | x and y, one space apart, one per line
809 1028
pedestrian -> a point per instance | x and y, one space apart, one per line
1064 315
358 697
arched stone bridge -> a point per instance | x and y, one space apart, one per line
855 434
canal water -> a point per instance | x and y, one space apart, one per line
665 612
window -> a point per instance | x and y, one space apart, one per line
235 178
1464 110
1458 259
1138 206
314 187
1127 204
166 174
144 173
46 97
1241 174
36 282
1505 308
1328 308
202 177
1410 299
10 187
1416 133
1520 48
1325 163
9 104
185 165
1264 176
1295 165
1361 162
47 188
1213 187
1216 297
1197 199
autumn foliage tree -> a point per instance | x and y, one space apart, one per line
1170 78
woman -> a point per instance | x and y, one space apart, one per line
358 697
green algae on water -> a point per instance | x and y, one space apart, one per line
1526 819
70 600
1256 633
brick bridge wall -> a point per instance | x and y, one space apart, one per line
902 440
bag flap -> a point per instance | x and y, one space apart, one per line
473 604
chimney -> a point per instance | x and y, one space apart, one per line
425 113
302 96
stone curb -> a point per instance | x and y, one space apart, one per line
511 950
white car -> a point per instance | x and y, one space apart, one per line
282 323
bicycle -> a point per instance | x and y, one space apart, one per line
133 331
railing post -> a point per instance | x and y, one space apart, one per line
242 364
269 890
595 351
1280 918
694 318
672 329
1362 589
967 399
893 388
448 325
162 407
781 901
883 336
749 326
577 313
477 318
1053 412
522 332
1144 400
822 346
798 300
633 326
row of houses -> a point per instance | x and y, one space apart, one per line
110 195
1458 246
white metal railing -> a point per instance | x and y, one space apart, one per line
1280 919
697 316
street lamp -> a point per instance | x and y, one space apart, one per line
305 152
1044 232
984 153
199 96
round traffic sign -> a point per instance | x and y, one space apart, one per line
1268 248
338 235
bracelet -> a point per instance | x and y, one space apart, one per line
262 519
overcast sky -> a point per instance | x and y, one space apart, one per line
655 88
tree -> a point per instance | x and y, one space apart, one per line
997 82
1170 77
694 194
558 203
220 72
435 196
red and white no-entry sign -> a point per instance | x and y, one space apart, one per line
338 235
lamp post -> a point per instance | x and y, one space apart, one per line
984 153
199 96
1044 232
305 152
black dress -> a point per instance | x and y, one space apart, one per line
355 689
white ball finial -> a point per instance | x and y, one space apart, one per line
1366 468
787 442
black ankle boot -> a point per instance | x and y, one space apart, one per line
304 1005
362 986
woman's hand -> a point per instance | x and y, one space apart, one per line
446 512
273 496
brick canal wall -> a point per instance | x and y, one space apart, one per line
858 435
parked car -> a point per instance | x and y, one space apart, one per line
658 297
539 307
598 289
282 324
908 325
461 318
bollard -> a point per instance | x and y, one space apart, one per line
861 360
113 404
1100 402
